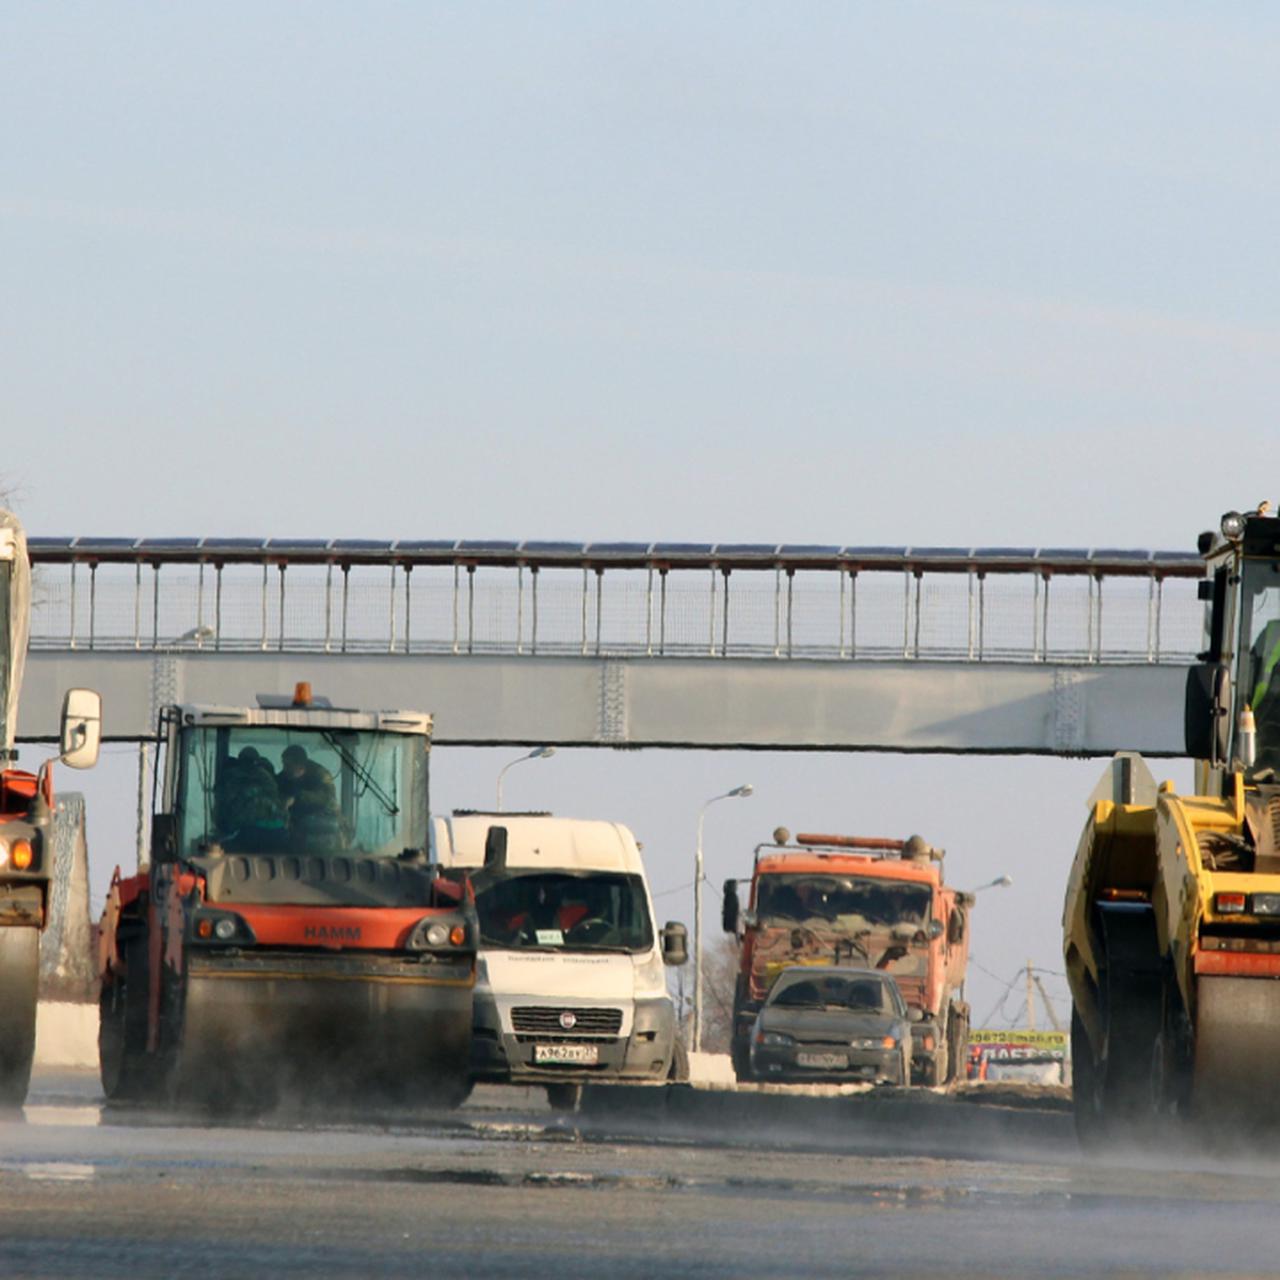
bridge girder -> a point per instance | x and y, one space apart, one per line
1000 708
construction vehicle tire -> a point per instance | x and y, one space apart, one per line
1085 1095
19 979
126 1071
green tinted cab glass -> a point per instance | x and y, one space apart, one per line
276 789
1258 682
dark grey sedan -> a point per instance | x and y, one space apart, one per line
842 1024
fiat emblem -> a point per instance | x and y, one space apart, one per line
568 1020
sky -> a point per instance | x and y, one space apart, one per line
953 273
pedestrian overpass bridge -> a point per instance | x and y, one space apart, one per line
995 649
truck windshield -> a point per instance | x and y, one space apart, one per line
1259 666
843 901
563 911
275 789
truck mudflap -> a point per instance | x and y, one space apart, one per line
1237 1046
351 1030
19 976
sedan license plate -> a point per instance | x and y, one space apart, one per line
577 1054
822 1060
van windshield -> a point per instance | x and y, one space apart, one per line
562 911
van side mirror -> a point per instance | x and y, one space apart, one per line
80 734
675 943
1206 721
164 841
495 849
914 1014
730 909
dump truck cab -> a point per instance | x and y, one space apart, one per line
865 902
290 933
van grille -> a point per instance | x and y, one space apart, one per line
545 1020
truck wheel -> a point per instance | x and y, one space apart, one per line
19 975
679 1073
564 1097
958 1045
1085 1095
936 1068
740 1053
126 1071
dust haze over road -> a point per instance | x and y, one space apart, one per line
505 1188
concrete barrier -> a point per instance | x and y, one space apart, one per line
66 1035
711 1069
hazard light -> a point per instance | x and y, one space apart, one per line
1228 903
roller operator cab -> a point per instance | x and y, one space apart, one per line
26 819
863 902
290 936
1172 916
572 982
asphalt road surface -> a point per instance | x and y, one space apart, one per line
505 1188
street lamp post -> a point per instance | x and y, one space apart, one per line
538 753
744 790
1000 882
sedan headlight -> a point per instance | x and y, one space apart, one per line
872 1042
773 1039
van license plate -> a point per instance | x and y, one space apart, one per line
822 1059
577 1054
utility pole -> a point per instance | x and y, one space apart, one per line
1031 999
1048 1006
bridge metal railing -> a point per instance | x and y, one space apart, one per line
655 600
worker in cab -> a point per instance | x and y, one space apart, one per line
249 810
311 801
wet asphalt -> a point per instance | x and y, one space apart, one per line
506 1188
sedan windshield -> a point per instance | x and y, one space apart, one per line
563 911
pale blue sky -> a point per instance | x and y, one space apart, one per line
932 273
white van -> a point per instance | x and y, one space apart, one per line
570 986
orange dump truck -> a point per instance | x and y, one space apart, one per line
868 903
